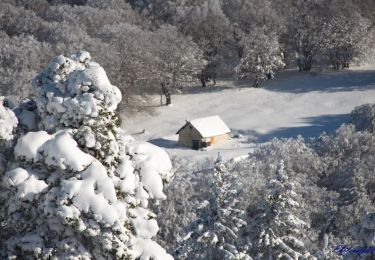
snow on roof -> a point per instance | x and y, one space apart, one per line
209 126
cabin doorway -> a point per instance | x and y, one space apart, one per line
196 144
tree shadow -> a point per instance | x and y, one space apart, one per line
314 126
200 89
302 82
167 143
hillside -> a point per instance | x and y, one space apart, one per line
292 104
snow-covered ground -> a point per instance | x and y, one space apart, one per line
292 104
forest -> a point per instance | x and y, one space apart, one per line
73 185
154 46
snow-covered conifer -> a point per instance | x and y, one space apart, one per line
279 230
78 188
216 232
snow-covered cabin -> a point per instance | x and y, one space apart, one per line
203 132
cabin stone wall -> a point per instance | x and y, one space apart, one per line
189 133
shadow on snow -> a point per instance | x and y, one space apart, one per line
302 82
314 127
166 143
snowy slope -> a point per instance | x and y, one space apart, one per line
292 104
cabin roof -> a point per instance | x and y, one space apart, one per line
208 126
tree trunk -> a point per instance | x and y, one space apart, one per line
168 99
256 82
161 96
308 64
300 64
203 81
167 94
214 78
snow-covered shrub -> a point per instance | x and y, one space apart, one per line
78 188
363 117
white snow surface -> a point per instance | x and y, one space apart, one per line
154 166
146 249
28 185
62 151
59 150
129 179
294 103
210 126
16 176
145 228
30 188
28 145
8 121
94 78
93 193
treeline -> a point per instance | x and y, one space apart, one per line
154 46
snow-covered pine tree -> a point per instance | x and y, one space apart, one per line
78 188
216 232
279 231
262 57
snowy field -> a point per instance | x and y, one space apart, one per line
292 104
